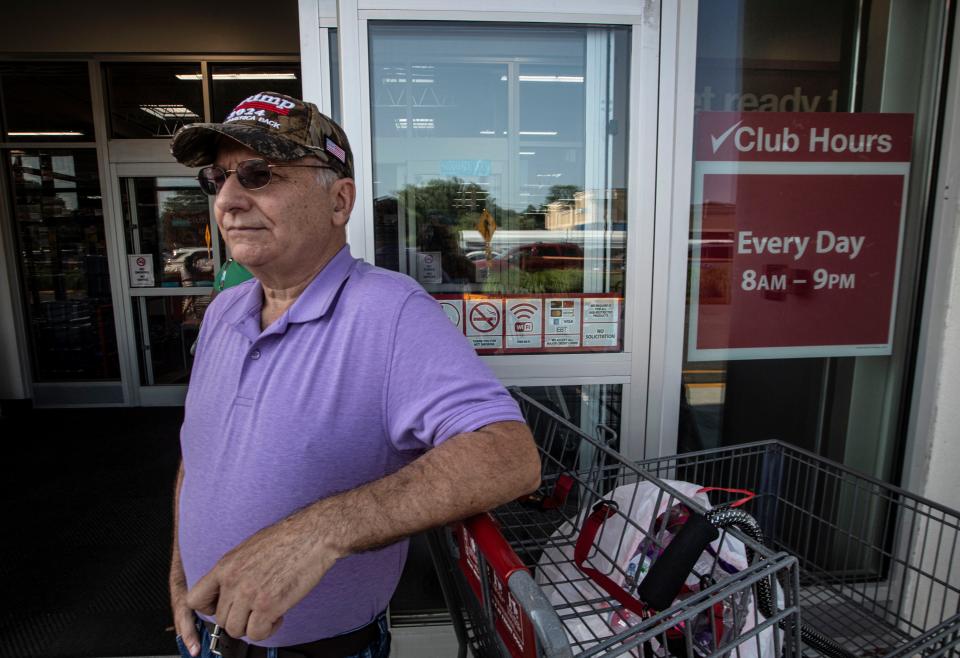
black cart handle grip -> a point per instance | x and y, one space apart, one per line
663 582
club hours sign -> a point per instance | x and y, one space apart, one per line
797 230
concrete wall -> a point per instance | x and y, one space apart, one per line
171 26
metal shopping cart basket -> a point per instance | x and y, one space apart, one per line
880 567
522 582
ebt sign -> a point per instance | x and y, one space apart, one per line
809 209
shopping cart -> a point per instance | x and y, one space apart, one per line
880 567
515 589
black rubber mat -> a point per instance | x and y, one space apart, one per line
86 502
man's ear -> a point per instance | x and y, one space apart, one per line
343 194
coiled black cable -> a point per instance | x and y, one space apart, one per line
727 517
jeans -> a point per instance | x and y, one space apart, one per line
380 648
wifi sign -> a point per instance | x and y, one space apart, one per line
524 313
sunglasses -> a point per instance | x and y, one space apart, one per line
252 174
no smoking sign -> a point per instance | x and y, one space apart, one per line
485 323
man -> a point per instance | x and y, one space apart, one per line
333 410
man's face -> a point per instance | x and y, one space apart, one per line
288 227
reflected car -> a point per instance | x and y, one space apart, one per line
536 257
188 264
475 256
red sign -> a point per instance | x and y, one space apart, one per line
798 221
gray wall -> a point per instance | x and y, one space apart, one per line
165 26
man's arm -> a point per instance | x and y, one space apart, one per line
182 612
253 585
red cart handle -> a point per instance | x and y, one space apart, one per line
601 512
496 550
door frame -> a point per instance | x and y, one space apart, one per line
124 295
659 156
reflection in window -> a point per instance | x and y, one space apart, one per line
153 100
231 83
45 102
500 170
168 220
66 282
166 328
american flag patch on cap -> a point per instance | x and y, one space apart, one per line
336 150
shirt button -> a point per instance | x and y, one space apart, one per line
255 354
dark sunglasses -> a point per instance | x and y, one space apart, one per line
252 174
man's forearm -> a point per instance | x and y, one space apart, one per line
468 474
253 585
177 577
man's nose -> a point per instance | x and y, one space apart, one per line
232 197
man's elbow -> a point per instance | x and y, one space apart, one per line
530 468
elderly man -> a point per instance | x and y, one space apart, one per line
333 410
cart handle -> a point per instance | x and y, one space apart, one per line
496 550
499 556
551 635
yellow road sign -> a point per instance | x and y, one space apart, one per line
486 225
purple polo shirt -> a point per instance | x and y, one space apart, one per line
360 376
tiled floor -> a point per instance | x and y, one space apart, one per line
426 642
86 499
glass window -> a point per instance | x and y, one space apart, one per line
45 102
167 328
167 220
231 83
152 100
58 218
500 177
806 234
594 408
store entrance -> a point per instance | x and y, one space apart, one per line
171 252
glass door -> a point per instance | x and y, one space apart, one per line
500 183
171 251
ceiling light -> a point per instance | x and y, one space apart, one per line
488 132
547 78
46 133
240 76
538 132
169 111
418 124
528 152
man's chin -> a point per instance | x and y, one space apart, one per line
249 258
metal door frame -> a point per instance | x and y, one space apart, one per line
661 87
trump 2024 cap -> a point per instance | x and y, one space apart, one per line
277 126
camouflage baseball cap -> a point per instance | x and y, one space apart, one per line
277 126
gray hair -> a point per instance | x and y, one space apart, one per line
325 177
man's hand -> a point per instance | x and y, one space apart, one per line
253 585
183 619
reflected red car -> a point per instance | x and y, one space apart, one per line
536 257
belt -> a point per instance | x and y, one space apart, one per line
338 646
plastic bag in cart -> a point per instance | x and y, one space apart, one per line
632 550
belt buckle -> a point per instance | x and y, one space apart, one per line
215 640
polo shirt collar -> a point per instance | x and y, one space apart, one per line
314 302
316 299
